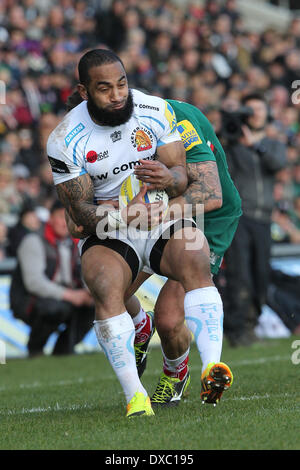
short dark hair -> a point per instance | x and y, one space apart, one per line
253 96
28 206
57 205
94 58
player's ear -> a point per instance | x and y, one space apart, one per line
82 91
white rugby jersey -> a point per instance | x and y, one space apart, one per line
108 154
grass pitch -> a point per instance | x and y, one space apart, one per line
76 403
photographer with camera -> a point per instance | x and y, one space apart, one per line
253 160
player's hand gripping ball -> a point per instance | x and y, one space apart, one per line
130 188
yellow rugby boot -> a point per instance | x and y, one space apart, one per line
139 405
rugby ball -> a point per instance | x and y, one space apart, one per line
131 187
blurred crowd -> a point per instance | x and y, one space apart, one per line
200 52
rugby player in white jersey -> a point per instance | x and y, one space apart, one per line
91 152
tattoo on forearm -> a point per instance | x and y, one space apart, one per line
77 196
204 184
178 182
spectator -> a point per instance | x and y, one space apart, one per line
112 21
28 222
3 241
46 289
28 155
10 201
296 178
253 160
286 223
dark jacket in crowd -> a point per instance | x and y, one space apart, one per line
253 171
21 300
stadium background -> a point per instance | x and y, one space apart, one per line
203 52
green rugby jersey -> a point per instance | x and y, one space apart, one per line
201 145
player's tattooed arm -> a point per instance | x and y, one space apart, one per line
167 171
77 196
74 230
204 187
174 157
178 178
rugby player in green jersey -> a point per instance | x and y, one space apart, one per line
211 186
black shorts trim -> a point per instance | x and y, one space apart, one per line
120 247
158 247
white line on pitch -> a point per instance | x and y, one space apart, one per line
41 409
75 407
156 372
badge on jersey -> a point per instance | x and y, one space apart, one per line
115 136
170 116
141 139
188 134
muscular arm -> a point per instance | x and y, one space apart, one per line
203 187
167 172
77 196
74 230
174 158
83 216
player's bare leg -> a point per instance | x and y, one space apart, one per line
169 320
203 314
175 344
191 267
108 275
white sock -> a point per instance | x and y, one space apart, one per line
116 337
140 319
204 317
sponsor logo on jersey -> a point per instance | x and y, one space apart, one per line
147 106
119 169
58 166
170 116
115 136
73 133
188 134
92 156
141 139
